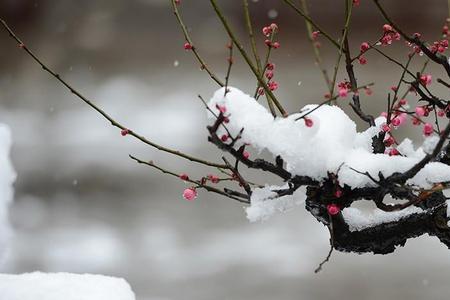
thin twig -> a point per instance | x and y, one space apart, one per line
230 64
327 258
316 51
311 21
348 14
251 35
194 50
196 182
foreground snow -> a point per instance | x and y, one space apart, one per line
331 145
63 286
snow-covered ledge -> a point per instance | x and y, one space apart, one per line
63 286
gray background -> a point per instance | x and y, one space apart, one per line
82 205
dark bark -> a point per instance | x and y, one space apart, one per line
383 238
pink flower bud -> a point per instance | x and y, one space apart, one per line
428 129
389 141
309 122
364 47
190 194
246 154
362 60
420 111
266 30
396 121
387 28
343 92
184 177
273 85
213 178
425 79
124 132
403 102
187 46
333 209
315 34
393 152
224 137
269 75
385 127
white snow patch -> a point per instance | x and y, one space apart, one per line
358 220
265 202
58 286
430 143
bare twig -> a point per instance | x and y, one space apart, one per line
316 51
251 35
327 258
194 50
311 21
242 198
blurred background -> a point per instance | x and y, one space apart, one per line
83 206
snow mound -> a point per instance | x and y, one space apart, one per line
59 286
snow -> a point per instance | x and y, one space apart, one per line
264 202
331 145
358 220
7 177
57 286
